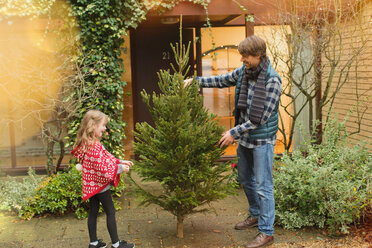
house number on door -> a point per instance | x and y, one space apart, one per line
166 55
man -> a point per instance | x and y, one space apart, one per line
257 93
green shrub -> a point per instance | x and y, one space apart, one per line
14 192
233 178
62 193
329 185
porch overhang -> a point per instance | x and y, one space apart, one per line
232 13
220 13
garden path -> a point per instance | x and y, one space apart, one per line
151 227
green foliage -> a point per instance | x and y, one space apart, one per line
102 26
61 193
329 185
14 192
234 179
25 8
165 5
180 150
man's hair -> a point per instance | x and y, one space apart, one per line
252 45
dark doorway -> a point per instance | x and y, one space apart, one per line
151 51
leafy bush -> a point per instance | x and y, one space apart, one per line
329 185
233 178
14 193
61 193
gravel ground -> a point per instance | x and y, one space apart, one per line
346 242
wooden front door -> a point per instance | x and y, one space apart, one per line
151 51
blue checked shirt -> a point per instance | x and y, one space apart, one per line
241 131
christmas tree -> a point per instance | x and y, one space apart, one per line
180 151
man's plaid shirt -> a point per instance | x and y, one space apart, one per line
241 131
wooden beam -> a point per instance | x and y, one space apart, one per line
226 20
198 52
249 26
12 139
215 7
266 12
12 145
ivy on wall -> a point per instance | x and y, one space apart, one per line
103 24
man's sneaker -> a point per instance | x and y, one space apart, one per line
100 244
124 244
249 222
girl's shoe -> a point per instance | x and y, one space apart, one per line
100 244
124 244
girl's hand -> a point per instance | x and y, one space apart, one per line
126 162
125 168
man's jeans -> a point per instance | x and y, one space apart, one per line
255 174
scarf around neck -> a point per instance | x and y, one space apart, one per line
259 95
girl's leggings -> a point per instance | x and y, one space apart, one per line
108 206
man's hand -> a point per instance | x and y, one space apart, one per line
226 139
187 82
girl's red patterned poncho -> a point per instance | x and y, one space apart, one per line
99 168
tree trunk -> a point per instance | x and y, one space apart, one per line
318 80
180 227
50 155
61 155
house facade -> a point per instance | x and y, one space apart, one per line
355 97
213 52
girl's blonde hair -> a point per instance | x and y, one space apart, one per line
86 132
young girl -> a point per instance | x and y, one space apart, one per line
100 169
